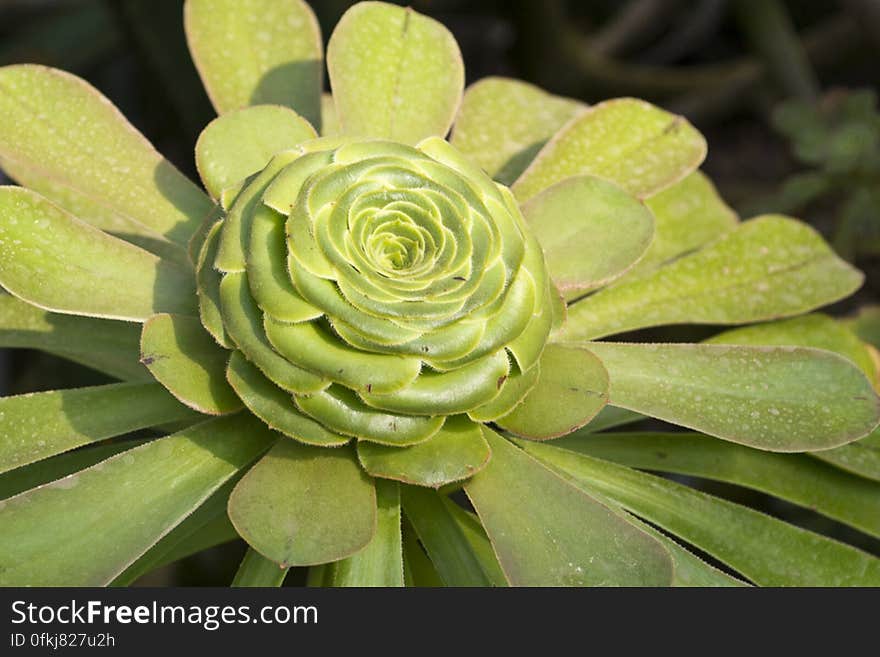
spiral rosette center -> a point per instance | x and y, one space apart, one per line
371 289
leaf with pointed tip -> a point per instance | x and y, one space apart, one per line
629 142
816 330
768 267
104 345
56 262
257 52
796 478
258 571
302 505
767 551
861 457
85 529
66 140
381 562
240 143
38 425
572 388
781 399
185 359
395 74
444 540
503 123
417 567
687 215
455 452
480 544
536 520
591 232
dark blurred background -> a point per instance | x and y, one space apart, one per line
785 93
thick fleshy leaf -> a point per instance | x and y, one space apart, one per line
793 477
781 399
61 137
56 467
503 123
381 562
686 216
329 120
815 330
611 416
768 267
444 540
634 144
395 74
767 551
861 457
536 521
185 359
302 505
257 52
38 425
56 262
454 453
417 567
205 527
258 571
107 346
275 406
480 544
240 143
572 388
591 232
85 529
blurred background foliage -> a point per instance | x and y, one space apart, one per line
783 90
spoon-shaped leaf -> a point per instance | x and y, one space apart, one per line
634 144
781 399
766 550
240 143
395 74
768 267
591 232
56 262
302 505
257 52
71 144
85 529
503 123
546 532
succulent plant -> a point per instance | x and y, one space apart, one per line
401 338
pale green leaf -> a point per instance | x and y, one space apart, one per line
66 140
258 571
503 123
257 52
302 505
629 142
538 524
572 388
185 359
56 262
242 142
686 216
381 562
768 267
781 399
455 452
85 529
104 345
591 232
444 540
395 74
38 425
329 120
796 478
767 551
